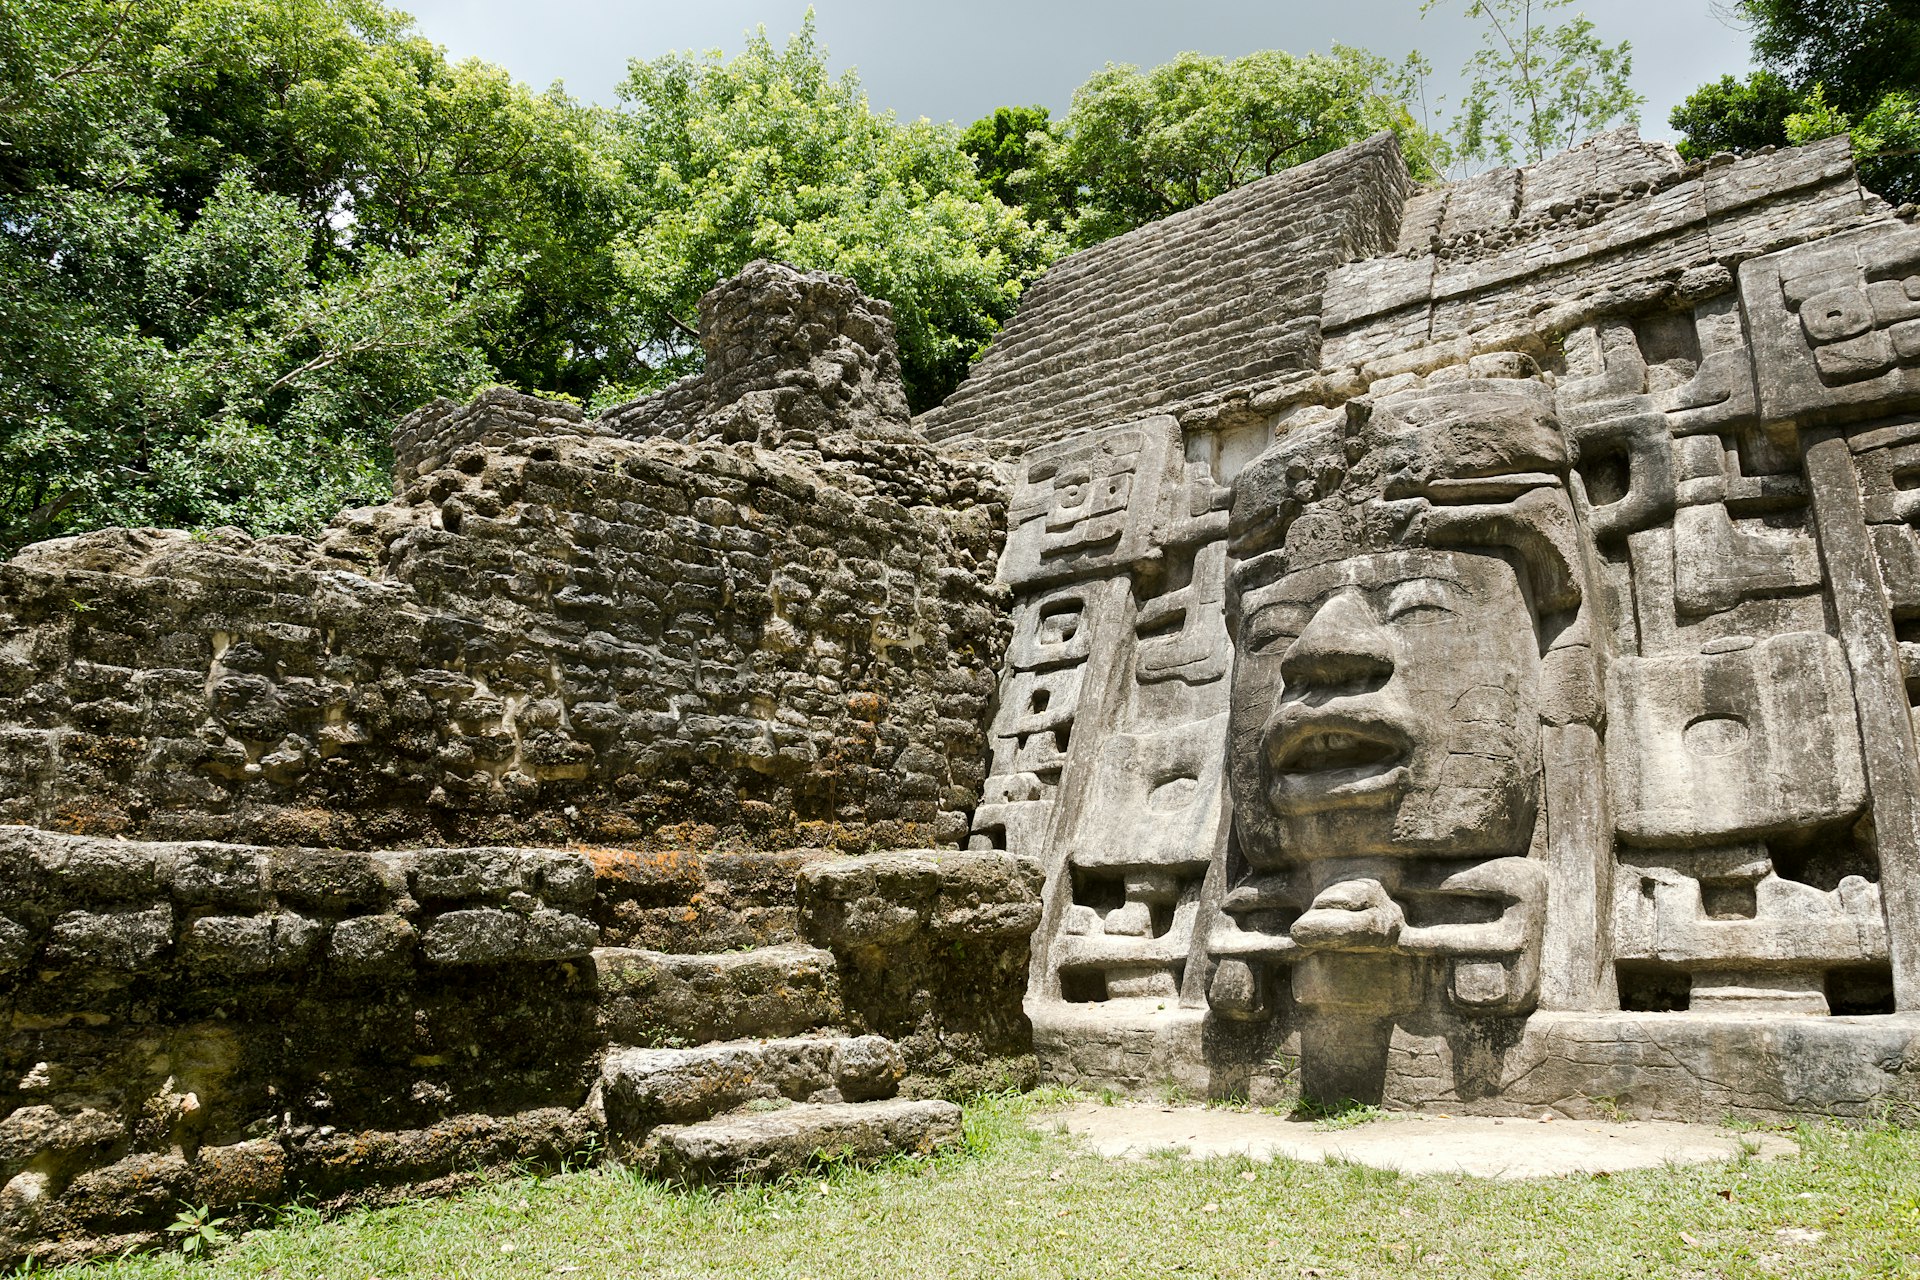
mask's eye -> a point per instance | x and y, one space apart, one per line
1274 628
1421 600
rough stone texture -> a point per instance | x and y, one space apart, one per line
1463 650
268 925
780 626
790 358
234 1024
641 1088
928 942
760 1148
1539 654
650 997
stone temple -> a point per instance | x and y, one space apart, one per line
1447 647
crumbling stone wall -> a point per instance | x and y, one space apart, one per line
780 626
340 867
236 1025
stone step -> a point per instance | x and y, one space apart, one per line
642 1088
660 999
684 901
760 1146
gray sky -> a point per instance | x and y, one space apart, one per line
958 61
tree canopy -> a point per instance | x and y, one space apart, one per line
1828 67
238 238
1535 88
1139 145
767 155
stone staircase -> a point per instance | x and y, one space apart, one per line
753 1062
742 1109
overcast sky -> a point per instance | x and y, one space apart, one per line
959 60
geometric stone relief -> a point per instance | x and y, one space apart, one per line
1836 324
1736 743
1481 686
1110 738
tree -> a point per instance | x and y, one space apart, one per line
1830 67
239 238
767 155
1009 150
1139 145
1735 115
1535 89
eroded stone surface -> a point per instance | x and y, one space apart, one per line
1452 648
1539 651
1531 1147
761 1147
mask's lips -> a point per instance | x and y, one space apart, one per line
1323 757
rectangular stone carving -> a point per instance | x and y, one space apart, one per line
1154 799
1087 505
1735 743
1836 324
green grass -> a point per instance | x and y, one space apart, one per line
1023 1200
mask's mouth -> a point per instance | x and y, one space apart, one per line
1334 749
1321 759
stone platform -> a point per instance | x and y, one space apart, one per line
1543 1147
1646 1066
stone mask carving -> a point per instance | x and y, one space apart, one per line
1389 620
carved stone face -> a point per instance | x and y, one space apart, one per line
1386 704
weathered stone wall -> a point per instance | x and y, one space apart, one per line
553 632
269 921
229 1024
1512 709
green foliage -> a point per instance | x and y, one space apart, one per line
1534 88
1832 67
767 155
1009 150
239 238
1886 138
1735 115
1859 49
1139 145
197 1230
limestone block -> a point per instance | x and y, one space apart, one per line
16 945
1836 324
244 945
117 941
1740 742
641 1088
328 881
758 1148
372 945
1089 503
650 997
1155 800
492 936
886 899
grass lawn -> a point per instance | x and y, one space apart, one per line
1024 1200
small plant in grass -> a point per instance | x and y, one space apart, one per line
198 1230
1610 1109
1345 1114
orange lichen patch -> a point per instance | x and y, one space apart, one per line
106 751
688 835
635 867
84 818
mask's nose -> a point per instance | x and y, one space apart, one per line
1344 644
